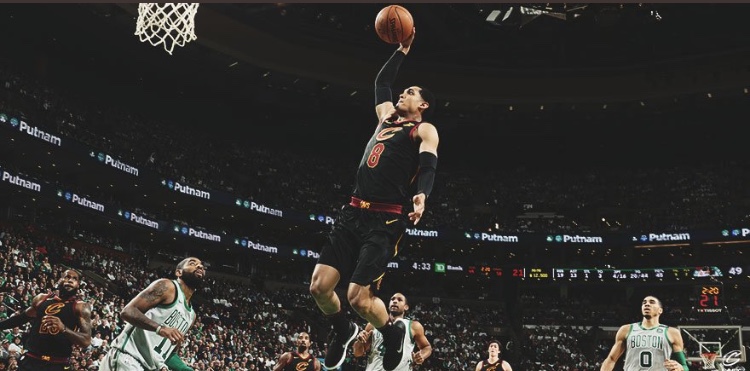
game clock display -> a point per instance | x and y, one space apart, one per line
707 298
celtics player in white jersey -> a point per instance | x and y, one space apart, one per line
650 346
370 339
158 319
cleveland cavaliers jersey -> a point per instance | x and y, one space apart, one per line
150 349
646 349
389 163
375 358
300 363
41 340
492 366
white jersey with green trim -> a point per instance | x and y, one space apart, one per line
150 349
647 349
375 358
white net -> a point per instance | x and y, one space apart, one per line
168 24
709 360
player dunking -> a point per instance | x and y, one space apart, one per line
57 322
368 229
650 346
158 318
373 341
493 362
301 360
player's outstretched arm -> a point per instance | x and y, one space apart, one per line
284 360
425 349
617 349
161 291
25 316
384 108
428 135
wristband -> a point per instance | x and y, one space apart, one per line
157 329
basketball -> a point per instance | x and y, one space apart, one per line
394 24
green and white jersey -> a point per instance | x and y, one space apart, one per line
375 358
647 349
150 349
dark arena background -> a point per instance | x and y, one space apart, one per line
590 155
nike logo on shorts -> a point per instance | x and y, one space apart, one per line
391 221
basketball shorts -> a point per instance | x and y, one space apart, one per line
362 242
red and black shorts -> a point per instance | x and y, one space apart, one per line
363 240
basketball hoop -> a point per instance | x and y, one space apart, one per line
168 24
708 360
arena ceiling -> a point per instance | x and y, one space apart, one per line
251 56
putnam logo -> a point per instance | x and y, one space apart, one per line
392 265
117 164
323 219
498 238
265 209
580 239
36 133
186 189
21 182
421 232
203 235
263 248
83 201
668 237
133 217
309 253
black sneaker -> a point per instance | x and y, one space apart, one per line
393 343
337 345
